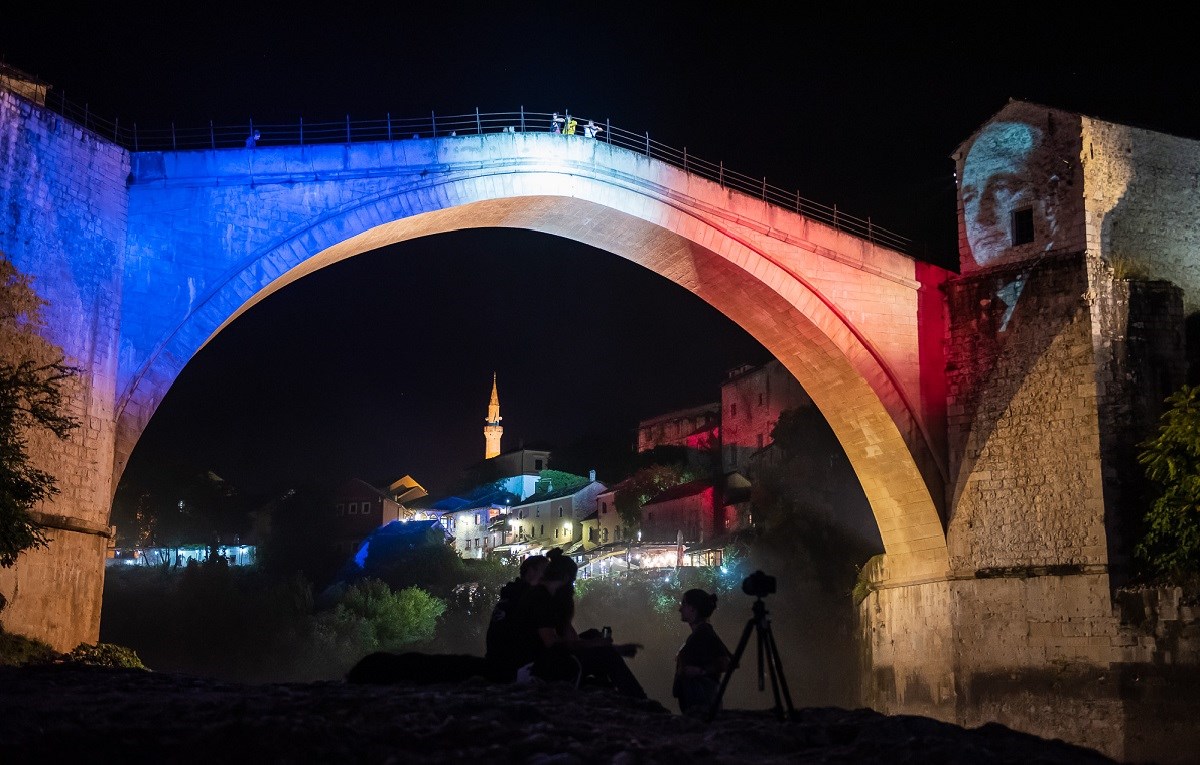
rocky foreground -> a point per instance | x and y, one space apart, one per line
66 713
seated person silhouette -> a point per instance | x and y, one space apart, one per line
501 640
703 657
548 646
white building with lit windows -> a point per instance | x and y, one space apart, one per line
552 517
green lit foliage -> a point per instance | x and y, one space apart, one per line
384 619
1170 545
18 650
644 485
104 655
32 397
557 480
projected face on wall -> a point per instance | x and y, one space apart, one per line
1011 181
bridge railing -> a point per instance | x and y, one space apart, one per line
216 136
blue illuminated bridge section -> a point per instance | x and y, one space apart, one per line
345 131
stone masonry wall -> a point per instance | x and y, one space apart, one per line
63 194
1141 358
1142 203
1024 440
751 402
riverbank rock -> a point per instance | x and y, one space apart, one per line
93 714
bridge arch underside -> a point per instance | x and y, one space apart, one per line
877 431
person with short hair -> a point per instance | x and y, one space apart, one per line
501 649
556 652
703 657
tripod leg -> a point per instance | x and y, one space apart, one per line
761 651
763 633
733 664
777 670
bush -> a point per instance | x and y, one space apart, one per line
19 651
104 655
383 619
1170 546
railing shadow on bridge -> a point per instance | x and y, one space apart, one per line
213 136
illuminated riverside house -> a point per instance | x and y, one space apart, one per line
552 517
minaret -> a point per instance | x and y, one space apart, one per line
492 430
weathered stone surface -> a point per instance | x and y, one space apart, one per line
95 715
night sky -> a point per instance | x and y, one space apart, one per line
382 365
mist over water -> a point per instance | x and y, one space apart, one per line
256 626
812 627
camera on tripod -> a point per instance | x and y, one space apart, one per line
758 584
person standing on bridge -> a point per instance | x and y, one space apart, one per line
571 125
556 123
591 129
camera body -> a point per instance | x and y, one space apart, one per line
758 584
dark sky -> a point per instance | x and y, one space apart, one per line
391 374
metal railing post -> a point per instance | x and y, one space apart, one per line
478 124
764 188
348 128
522 118
721 174
301 131
685 159
647 143
797 200
389 124
212 137
608 131
433 123
174 143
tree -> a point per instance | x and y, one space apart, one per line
1170 545
32 379
302 536
558 480
643 486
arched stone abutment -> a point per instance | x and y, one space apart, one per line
864 385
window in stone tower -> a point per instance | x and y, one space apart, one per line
1022 226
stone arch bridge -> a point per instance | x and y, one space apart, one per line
145 256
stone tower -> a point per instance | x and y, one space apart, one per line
492 430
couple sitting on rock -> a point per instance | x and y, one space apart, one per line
532 634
